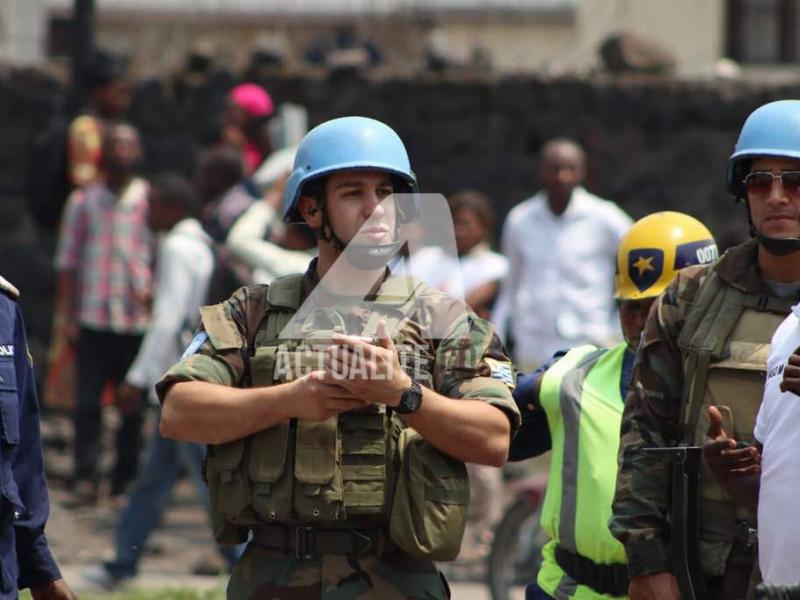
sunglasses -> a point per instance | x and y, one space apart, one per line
759 183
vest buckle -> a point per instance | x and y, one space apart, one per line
303 539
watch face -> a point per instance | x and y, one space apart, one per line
411 399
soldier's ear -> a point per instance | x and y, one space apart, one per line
310 211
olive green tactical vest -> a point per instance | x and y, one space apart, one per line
334 473
725 342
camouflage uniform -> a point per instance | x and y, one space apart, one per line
655 412
464 365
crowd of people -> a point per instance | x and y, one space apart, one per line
589 336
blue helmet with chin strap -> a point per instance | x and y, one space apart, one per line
771 130
342 144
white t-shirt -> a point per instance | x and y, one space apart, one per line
559 291
455 276
778 430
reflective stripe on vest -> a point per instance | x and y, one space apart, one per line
581 396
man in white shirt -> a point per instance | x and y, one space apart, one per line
561 246
184 266
778 431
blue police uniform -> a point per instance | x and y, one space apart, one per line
25 559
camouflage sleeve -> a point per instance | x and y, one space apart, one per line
218 352
652 411
470 362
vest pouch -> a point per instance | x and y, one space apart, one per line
229 491
364 436
262 366
429 510
317 471
736 385
272 496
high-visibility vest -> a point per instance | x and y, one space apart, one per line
581 396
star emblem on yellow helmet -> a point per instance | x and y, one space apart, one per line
644 264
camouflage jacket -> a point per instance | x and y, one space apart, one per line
653 411
469 362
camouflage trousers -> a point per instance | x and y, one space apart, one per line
264 574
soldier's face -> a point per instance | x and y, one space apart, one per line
360 207
632 318
774 203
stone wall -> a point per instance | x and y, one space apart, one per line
653 144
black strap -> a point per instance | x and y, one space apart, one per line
310 542
604 579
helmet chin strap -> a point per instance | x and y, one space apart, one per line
367 257
775 246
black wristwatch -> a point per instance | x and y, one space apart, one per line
411 400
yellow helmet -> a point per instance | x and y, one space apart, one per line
655 248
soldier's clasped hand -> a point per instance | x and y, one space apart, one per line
318 398
369 372
722 454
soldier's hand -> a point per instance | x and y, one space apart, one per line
369 372
791 374
317 399
655 586
55 590
722 455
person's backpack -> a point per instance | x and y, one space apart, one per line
47 185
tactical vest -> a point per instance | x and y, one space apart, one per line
581 396
337 473
724 344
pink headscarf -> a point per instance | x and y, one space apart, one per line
253 99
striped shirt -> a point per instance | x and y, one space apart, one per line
105 240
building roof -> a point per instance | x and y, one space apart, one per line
330 7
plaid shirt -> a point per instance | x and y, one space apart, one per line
106 242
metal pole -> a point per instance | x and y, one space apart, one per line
82 45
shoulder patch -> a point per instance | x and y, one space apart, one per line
7 288
219 327
501 371
197 341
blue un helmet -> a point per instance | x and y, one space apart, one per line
345 143
771 130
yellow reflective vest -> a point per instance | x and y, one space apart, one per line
581 397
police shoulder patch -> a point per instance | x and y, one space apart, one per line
198 340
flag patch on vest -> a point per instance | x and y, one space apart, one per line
197 341
502 371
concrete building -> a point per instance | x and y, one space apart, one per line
552 36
